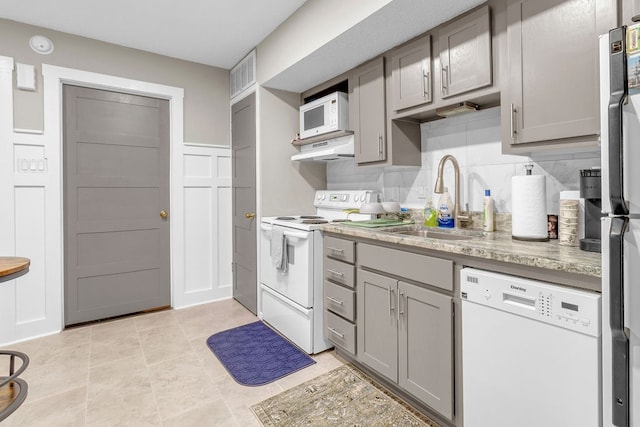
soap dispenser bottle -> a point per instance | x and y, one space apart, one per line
445 213
430 215
487 212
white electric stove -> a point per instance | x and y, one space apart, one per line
291 296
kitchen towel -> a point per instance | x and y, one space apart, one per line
279 255
529 205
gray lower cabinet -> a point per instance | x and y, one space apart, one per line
552 65
425 346
378 323
339 293
405 332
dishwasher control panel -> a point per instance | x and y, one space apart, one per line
564 307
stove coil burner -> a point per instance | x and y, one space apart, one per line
314 221
285 218
310 217
341 220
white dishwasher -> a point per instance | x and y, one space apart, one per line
530 353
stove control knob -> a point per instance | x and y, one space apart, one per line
344 197
356 198
319 196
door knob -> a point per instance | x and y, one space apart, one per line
163 214
250 215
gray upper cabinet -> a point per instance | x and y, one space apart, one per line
465 53
411 65
552 90
367 111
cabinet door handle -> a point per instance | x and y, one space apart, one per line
391 307
425 84
335 300
514 132
400 311
333 331
336 250
335 273
380 145
444 76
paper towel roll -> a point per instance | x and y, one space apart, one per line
529 206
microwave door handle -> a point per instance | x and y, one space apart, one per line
617 95
619 339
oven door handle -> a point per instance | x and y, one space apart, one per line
298 234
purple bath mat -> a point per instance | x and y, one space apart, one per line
255 355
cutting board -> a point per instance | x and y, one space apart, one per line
374 223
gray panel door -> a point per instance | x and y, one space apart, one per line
243 155
465 53
553 91
377 324
425 346
116 185
369 108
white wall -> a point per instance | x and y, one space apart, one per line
474 139
207 226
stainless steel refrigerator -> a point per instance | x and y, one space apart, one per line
620 137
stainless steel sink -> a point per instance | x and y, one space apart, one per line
437 233
433 234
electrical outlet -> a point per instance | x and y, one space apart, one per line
422 192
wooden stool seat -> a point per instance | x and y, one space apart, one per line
13 390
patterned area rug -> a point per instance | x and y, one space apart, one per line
342 397
255 354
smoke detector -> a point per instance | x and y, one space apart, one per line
41 44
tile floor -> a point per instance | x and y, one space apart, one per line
148 370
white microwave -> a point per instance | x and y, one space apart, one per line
327 114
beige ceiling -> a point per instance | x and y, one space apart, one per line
212 32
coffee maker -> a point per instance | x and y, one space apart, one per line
590 191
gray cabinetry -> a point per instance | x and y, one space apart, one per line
367 107
465 53
425 338
405 330
411 75
552 80
377 334
339 293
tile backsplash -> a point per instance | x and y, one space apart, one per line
474 140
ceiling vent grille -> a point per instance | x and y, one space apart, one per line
243 75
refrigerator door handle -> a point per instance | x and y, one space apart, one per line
617 95
620 341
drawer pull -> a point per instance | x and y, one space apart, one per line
336 250
336 273
335 300
333 331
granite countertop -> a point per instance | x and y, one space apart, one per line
497 245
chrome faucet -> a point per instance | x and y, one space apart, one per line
457 213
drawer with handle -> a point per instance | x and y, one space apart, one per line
339 300
340 332
339 272
341 249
